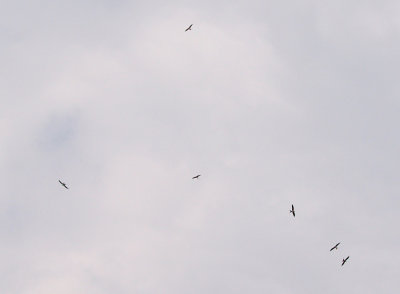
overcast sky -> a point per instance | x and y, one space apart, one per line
273 102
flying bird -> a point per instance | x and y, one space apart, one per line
65 186
292 211
189 28
335 247
344 260
196 177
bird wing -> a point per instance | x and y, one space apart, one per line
335 247
65 186
344 260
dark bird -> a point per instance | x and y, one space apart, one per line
344 260
189 28
196 177
335 247
292 211
65 186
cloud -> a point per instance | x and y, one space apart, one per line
273 103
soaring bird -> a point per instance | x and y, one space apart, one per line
344 260
189 28
196 177
65 186
292 211
335 247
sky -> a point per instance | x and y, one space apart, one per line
274 103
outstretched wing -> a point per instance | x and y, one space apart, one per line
335 247
344 260
65 186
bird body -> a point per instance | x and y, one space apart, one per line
65 186
344 260
335 247
189 28
292 211
196 177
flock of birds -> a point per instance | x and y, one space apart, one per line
292 211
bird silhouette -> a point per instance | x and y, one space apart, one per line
344 260
292 211
189 28
335 247
196 177
65 186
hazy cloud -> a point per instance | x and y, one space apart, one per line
272 102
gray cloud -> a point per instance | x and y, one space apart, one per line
272 102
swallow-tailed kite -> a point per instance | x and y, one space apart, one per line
65 186
344 260
335 247
189 28
292 211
